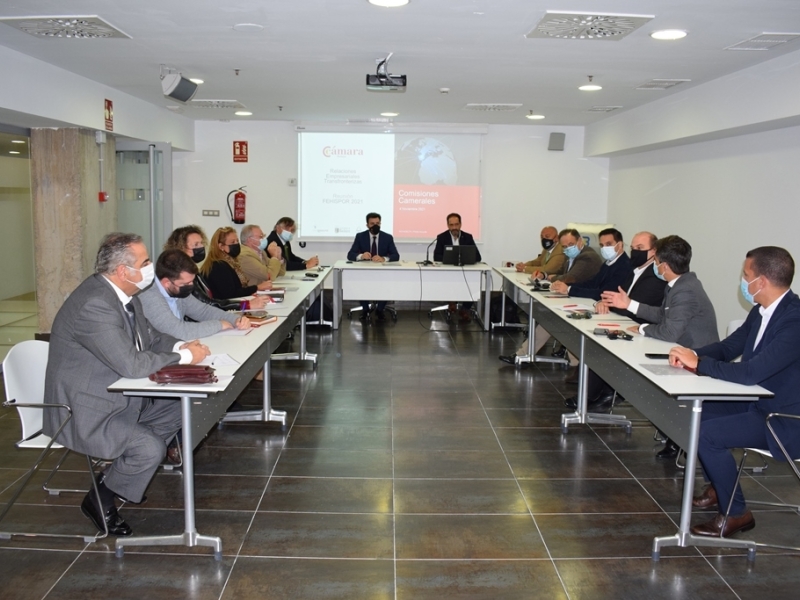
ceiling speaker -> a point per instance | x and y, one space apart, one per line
176 86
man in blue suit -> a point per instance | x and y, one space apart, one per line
376 246
768 345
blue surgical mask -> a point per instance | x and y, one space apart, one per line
262 244
608 252
744 285
286 235
659 275
571 252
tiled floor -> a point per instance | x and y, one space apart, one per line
415 466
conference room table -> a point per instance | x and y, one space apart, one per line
411 282
671 398
203 406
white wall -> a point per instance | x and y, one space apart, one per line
525 186
724 197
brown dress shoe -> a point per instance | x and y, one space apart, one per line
713 528
463 316
707 499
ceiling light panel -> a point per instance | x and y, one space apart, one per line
216 104
492 107
89 27
603 109
586 26
661 84
765 41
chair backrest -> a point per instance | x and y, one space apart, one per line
23 372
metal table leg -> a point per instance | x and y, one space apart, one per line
487 301
337 298
264 414
189 537
302 355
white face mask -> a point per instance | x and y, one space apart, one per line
148 275
286 235
608 252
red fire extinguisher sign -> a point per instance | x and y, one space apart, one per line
240 152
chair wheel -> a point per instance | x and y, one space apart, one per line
394 317
430 314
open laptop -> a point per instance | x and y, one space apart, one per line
460 255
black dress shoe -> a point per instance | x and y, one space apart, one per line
116 526
509 358
601 403
713 528
560 353
571 402
380 315
669 452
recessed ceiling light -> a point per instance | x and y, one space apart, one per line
534 117
248 27
196 81
668 34
17 141
389 114
388 3
13 152
590 87
243 113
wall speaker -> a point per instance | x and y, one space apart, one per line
557 141
178 87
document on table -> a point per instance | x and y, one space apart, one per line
576 308
667 370
219 360
234 332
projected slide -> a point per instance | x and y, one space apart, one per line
413 180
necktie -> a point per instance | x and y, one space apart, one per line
132 319
374 249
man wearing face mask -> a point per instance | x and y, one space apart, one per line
282 235
376 246
171 298
259 261
770 357
99 335
612 273
551 258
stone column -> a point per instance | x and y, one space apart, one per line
68 219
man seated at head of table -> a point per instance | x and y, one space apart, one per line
170 299
551 258
376 246
454 236
582 263
767 343
100 335
641 285
282 235
258 261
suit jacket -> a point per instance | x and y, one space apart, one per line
584 267
91 347
258 267
686 315
292 262
648 289
444 239
608 278
549 264
363 243
205 318
774 364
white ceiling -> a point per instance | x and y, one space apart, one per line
312 55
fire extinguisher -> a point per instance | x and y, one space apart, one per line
239 202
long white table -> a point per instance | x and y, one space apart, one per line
673 401
409 281
203 406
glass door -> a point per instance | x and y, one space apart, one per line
144 191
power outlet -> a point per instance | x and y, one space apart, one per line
210 213
293 182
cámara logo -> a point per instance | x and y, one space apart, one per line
329 151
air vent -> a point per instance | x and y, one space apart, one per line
375 121
216 104
765 41
661 84
89 27
604 109
582 26
492 107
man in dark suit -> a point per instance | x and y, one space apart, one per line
376 246
99 335
770 357
282 235
455 237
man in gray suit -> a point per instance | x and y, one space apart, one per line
99 335
170 299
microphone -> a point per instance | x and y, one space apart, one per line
427 262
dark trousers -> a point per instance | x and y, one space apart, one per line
727 425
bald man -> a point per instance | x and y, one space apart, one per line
551 258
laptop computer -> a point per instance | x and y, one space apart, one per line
460 255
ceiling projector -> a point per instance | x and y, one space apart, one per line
383 81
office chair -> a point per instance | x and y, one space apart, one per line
389 309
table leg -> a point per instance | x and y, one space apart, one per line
265 414
302 355
487 300
337 298
189 537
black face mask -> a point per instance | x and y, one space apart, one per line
547 244
375 229
638 258
234 250
198 254
184 291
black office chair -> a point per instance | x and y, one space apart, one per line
391 310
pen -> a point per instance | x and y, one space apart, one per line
569 306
